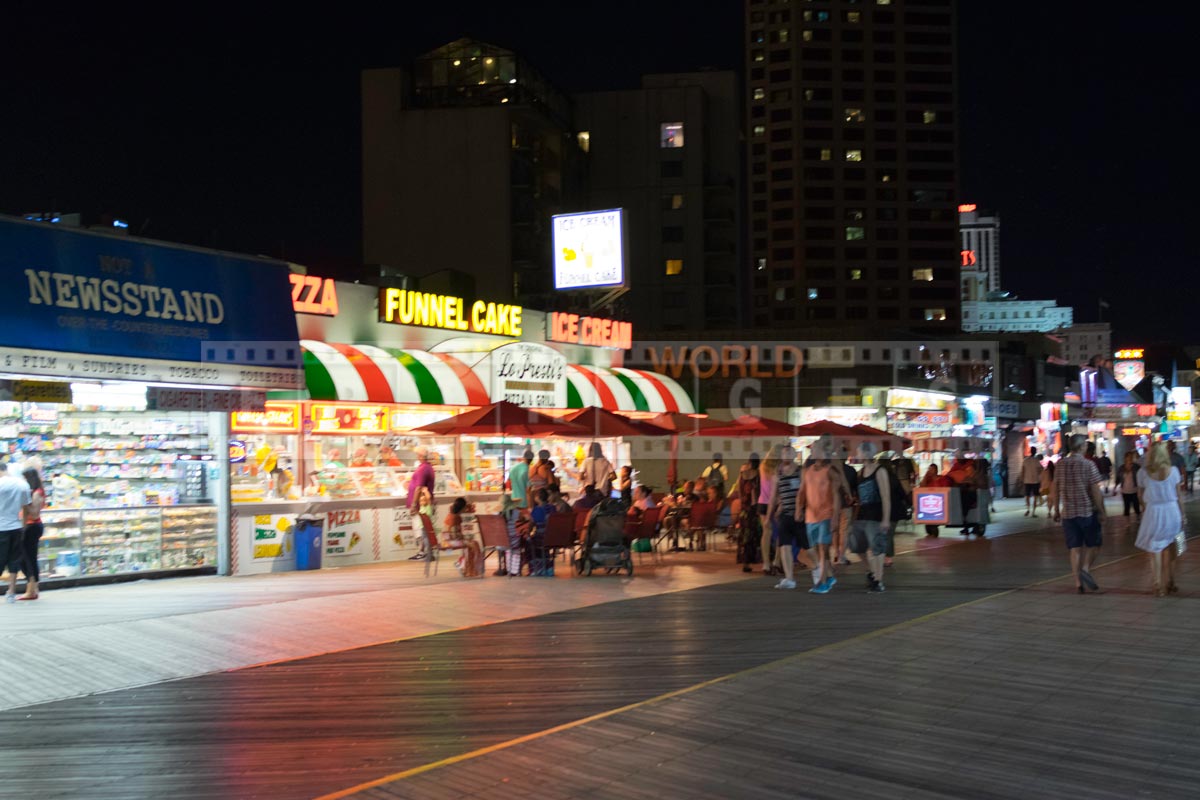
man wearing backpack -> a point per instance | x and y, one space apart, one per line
875 514
716 474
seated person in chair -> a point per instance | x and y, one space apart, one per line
471 562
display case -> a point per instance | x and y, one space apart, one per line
58 550
338 483
121 540
189 536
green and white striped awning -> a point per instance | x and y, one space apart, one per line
619 389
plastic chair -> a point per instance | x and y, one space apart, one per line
559 535
493 536
702 521
648 529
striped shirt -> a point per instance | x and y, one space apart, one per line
786 489
1075 477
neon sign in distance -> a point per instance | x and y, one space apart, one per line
589 249
966 208
1129 354
968 258
405 307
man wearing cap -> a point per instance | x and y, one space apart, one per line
422 476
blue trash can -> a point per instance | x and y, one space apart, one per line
307 537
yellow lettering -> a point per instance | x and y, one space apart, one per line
514 319
463 324
437 311
406 308
478 310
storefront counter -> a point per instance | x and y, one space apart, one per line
354 530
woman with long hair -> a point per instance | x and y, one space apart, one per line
768 470
32 534
1161 494
748 490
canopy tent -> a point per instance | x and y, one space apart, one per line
367 373
602 423
619 389
502 419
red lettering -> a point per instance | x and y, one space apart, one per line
731 356
669 363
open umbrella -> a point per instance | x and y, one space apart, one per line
602 423
750 425
826 427
502 419
675 422
867 430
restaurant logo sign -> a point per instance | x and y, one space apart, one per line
314 295
529 375
427 310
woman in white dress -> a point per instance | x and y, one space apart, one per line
1162 517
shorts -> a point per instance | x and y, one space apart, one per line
1082 531
791 532
11 549
1032 489
820 532
868 534
761 508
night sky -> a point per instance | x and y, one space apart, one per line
240 129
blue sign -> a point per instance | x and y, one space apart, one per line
81 292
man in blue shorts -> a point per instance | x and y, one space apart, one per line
1076 498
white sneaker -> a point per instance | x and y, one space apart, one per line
785 584
12 598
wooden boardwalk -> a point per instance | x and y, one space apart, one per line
948 685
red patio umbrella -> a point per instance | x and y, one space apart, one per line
601 422
867 430
502 419
826 427
750 425
675 422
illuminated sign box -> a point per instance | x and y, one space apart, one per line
1138 431
589 249
426 310
906 398
932 506
313 295
1129 354
338 418
592 331
275 418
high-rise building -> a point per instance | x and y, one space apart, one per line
979 236
853 160
466 155
1087 341
669 153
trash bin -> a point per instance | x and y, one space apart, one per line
307 538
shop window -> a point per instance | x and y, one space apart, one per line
670 134
673 266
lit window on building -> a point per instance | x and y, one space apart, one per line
585 141
757 37
935 315
826 154
856 274
760 93
855 214
758 55
813 294
760 264
806 36
883 2
783 34
759 130
855 233
673 202
923 274
929 117
673 266
854 155
855 115
670 134
854 17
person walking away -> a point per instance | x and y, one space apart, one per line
1104 465
32 534
1177 460
768 470
1031 476
716 474
821 486
782 509
1160 490
1126 483
597 470
1191 460
845 520
874 515
1047 483
1076 499
16 506
748 490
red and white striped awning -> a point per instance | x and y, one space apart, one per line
620 389
366 373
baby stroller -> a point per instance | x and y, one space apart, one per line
604 545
